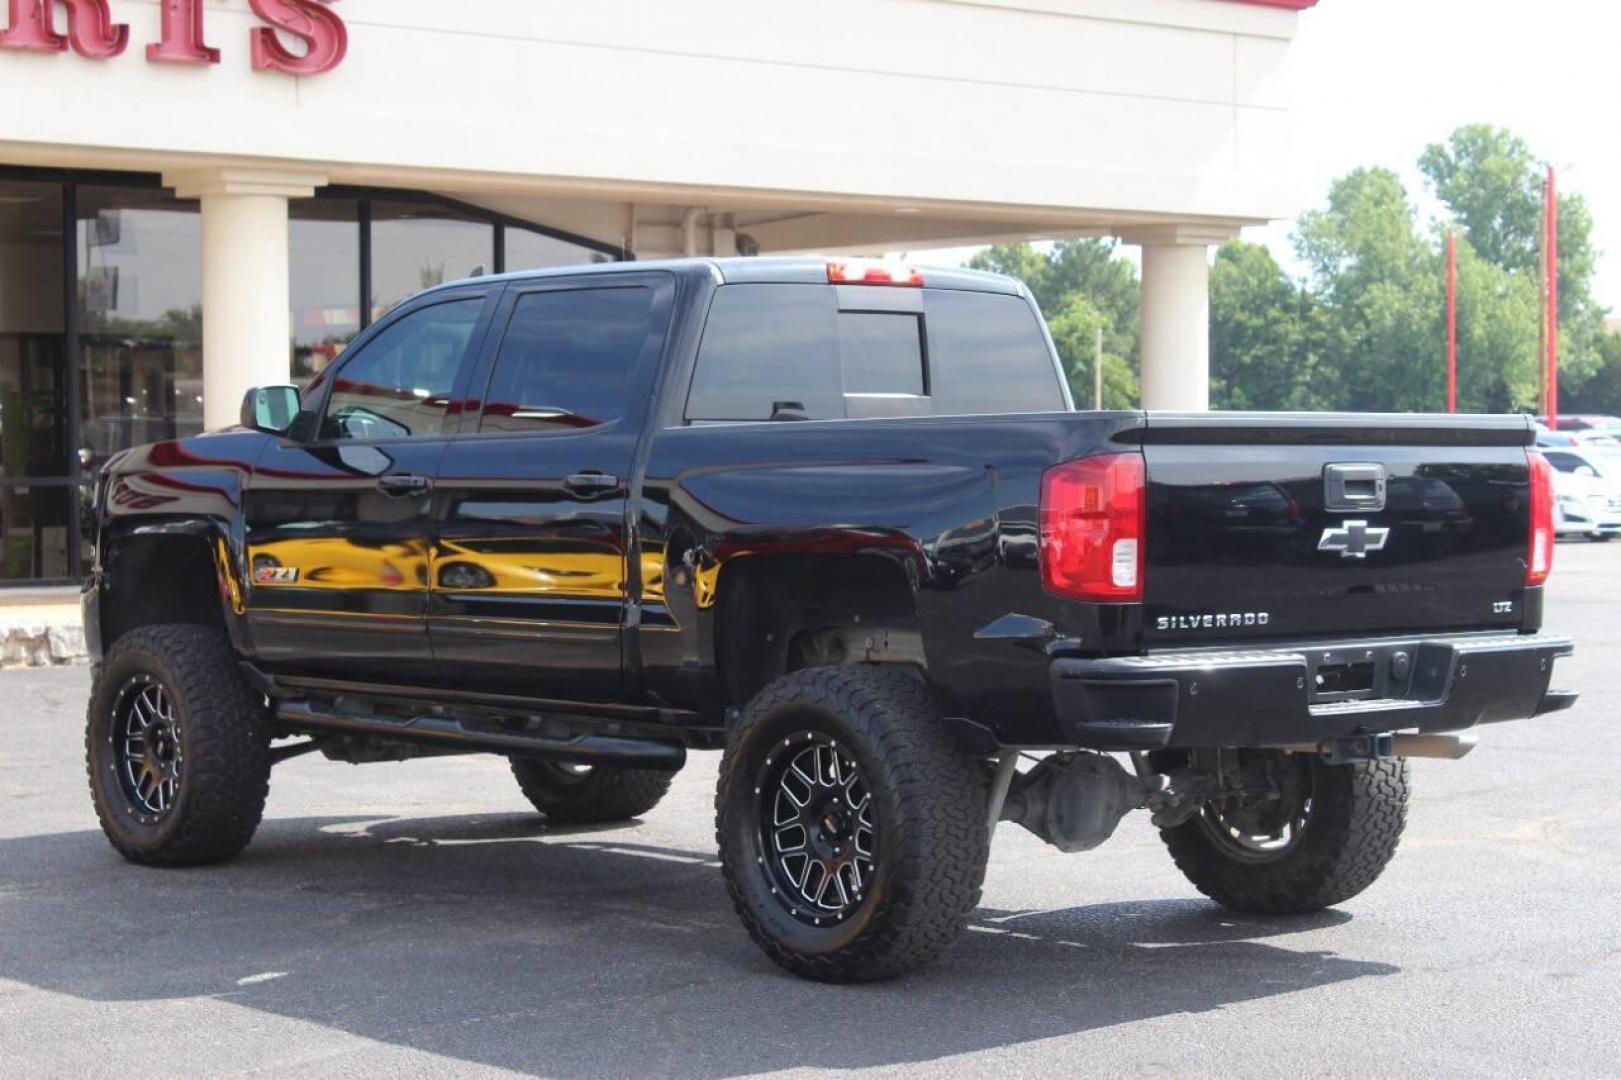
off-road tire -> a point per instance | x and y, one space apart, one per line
1355 822
930 799
220 793
605 793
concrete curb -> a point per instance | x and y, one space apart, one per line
49 641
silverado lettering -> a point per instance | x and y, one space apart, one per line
1207 622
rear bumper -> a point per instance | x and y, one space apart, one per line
1271 697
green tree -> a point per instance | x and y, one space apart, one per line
1602 392
1367 329
1016 261
1091 267
1492 186
1074 327
1497 335
1381 293
1264 336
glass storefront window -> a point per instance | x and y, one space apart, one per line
140 317
137 252
33 385
324 252
34 524
35 496
415 246
529 250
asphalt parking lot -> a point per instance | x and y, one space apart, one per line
413 919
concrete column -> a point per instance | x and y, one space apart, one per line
247 338
1176 313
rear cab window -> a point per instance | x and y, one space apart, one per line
824 352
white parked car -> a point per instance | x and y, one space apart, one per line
1597 438
1587 491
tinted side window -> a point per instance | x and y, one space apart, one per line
567 359
400 384
987 354
787 350
768 347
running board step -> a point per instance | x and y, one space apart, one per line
583 749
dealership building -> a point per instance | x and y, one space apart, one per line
198 196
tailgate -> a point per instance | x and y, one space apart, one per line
1262 526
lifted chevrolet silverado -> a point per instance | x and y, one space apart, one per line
841 522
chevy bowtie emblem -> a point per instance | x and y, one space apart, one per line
1353 539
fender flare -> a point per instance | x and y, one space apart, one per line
226 549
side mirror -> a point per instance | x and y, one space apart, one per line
1585 470
270 409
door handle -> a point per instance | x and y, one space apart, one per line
591 483
400 485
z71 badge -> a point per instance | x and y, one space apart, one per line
275 575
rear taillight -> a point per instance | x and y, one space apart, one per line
1092 528
872 272
1539 560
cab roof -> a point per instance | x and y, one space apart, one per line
774 269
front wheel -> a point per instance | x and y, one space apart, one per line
851 828
177 748
1304 835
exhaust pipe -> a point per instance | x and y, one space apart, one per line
1451 747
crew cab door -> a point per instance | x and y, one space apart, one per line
339 525
529 570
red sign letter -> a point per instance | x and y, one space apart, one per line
182 36
325 37
91 30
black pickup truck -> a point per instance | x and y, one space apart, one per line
841 521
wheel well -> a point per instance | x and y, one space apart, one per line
168 578
781 613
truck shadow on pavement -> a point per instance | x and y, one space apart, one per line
500 941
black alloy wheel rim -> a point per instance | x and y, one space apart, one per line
148 756
1263 827
818 829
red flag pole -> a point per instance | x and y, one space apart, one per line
1553 303
1452 321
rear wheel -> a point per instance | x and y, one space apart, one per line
176 747
851 828
590 794
1304 835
